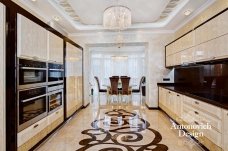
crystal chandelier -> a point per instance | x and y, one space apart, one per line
117 17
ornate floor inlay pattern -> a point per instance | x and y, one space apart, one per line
122 130
118 128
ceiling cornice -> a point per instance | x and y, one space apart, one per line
195 13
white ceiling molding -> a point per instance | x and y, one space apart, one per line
195 13
170 18
144 32
173 7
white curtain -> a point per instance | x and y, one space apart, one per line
105 67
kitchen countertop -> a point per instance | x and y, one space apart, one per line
212 96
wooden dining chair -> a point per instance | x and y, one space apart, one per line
139 90
99 89
113 91
126 90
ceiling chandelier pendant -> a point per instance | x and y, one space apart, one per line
117 17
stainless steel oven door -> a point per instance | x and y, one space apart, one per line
31 74
55 76
32 106
55 99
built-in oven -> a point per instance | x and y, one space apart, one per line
32 106
55 73
31 73
55 97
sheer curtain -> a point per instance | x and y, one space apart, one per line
105 66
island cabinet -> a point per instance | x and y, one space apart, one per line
55 48
32 40
189 111
206 43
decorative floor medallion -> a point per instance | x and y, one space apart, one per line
120 130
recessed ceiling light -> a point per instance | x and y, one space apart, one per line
187 12
56 18
33 0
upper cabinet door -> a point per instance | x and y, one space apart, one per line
31 39
55 51
212 29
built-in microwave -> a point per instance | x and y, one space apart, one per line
31 73
55 73
32 106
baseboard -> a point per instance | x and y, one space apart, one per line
85 106
152 108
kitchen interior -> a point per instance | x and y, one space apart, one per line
51 51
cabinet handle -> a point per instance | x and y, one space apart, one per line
35 126
196 102
169 92
178 95
57 112
196 123
196 112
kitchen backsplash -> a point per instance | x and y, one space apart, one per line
210 76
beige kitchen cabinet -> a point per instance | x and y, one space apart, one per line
170 60
187 56
55 48
169 50
2 77
216 27
55 119
31 39
171 101
74 79
177 58
162 97
221 46
211 50
27 134
225 130
205 51
194 112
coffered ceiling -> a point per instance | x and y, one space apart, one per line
79 16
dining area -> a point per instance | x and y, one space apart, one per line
119 90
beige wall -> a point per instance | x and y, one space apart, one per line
155 54
212 10
2 79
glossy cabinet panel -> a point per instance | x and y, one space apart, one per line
31 131
206 43
74 80
212 29
2 77
55 48
225 130
187 56
32 39
194 112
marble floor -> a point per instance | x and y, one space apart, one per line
118 127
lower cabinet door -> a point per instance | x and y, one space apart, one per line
30 132
225 130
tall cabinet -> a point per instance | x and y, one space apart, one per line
74 79
2 77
